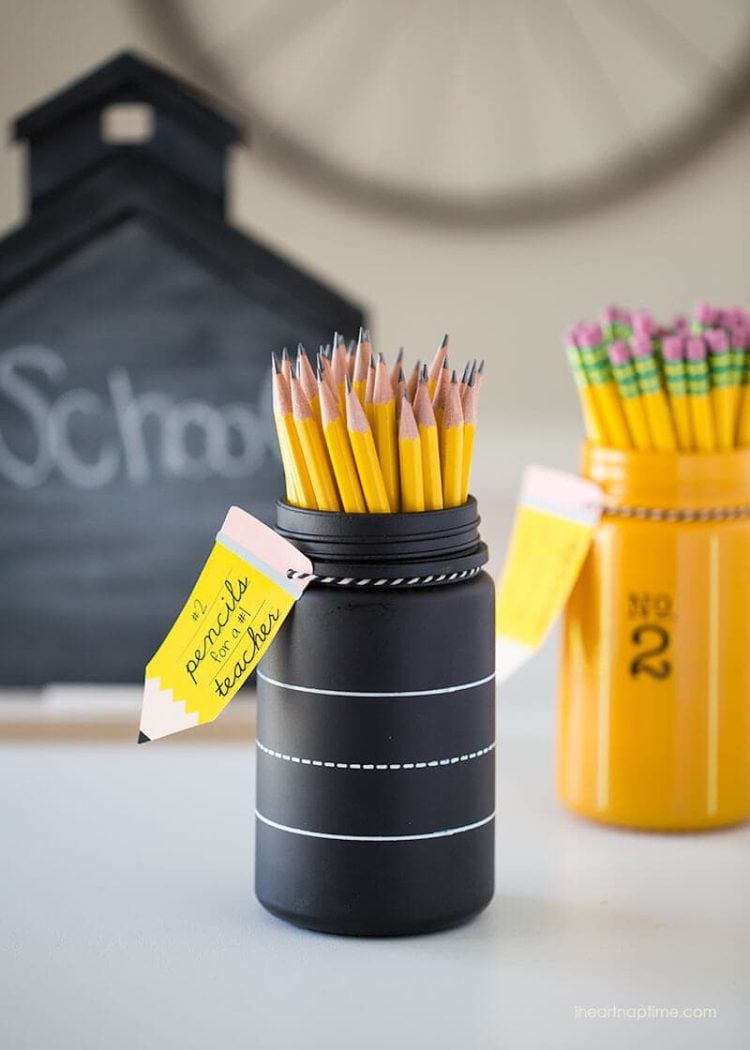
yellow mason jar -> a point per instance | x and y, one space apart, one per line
654 706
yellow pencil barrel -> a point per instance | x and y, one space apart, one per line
675 377
720 370
606 397
630 395
410 461
655 404
701 409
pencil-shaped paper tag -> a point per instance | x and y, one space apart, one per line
240 600
551 536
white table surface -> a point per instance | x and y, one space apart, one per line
128 918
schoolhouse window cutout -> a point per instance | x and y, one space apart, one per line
123 122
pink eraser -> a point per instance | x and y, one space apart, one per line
679 322
672 347
643 323
571 335
696 348
704 313
589 335
738 334
640 345
718 340
609 315
618 352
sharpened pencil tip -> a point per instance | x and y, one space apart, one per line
284 354
400 355
348 382
444 342
275 364
142 738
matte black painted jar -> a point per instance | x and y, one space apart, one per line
376 727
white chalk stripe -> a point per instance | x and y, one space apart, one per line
370 766
375 838
405 692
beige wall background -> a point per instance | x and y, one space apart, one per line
503 295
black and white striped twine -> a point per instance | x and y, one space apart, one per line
402 581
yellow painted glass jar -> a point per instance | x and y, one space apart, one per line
654 705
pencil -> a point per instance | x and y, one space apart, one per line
370 390
299 487
365 456
470 375
410 460
340 453
412 381
720 373
451 437
314 450
307 380
675 375
362 365
428 438
399 392
737 337
604 389
396 368
627 385
480 374
384 432
338 366
440 391
655 402
469 406
701 410
743 406
590 410
286 364
351 352
437 363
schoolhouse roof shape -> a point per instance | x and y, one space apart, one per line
128 77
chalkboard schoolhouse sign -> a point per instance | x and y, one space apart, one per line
135 330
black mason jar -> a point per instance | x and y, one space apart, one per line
376 727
